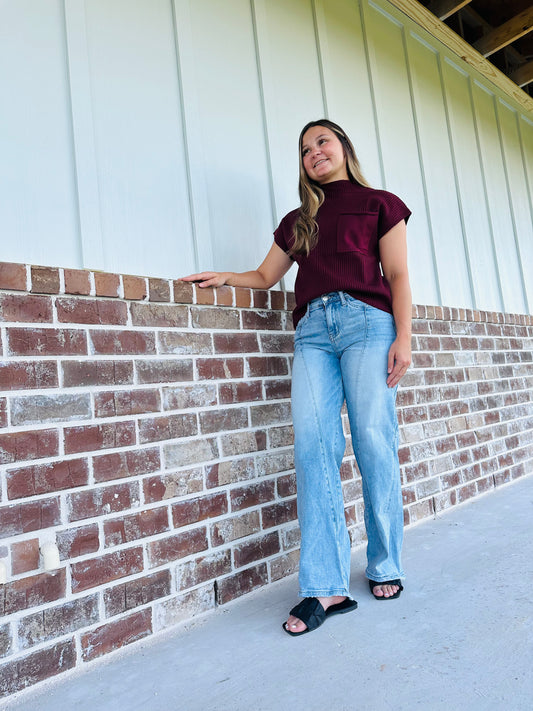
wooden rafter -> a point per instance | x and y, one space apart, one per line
503 35
445 8
426 19
523 75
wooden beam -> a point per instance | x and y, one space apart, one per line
475 20
426 19
503 35
445 8
523 75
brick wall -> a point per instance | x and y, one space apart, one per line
145 430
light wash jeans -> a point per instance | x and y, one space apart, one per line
341 347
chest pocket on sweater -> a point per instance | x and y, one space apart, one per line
356 231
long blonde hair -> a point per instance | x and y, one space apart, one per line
305 229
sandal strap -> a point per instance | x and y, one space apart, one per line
310 612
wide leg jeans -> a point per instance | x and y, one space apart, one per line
340 354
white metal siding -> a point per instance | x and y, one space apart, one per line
159 137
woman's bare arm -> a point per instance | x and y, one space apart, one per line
275 265
393 254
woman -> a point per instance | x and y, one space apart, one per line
353 344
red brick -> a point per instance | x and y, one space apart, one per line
286 485
277 300
235 342
178 546
205 317
91 437
197 571
20 446
155 429
23 672
122 342
159 289
126 402
45 280
74 542
224 296
291 301
241 583
232 471
127 529
279 513
230 393
25 556
169 486
58 621
102 500
116 634
466 492
204 295
106 284
33 591
77 281
134 287
164 371
89 373
278 389
261 299
195 451
3 412
97 571
46 341
12 276
226 419
243 442
183 292
133 593
120 465
243 298
28 375
219 368
264 366
230 529
284 565
257 549
193 510
166 315
252 495
91 311
262 320
22 307
47 478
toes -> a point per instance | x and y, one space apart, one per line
293 624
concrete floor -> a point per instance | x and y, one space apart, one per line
460 637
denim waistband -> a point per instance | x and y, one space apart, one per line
331 298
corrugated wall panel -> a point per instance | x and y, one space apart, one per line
159 137
38 206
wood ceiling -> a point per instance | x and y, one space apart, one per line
500 30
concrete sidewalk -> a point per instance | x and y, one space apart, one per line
460 636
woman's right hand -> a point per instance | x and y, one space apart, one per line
208 278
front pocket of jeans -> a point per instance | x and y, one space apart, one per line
356 231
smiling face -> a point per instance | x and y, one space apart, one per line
323 156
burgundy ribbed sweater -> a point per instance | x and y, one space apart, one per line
350 221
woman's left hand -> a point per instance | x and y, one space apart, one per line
399 360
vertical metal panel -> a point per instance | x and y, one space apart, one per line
439 174
519 194
142 177
83 134
498 197
477 227
38 207
233 157
399 144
